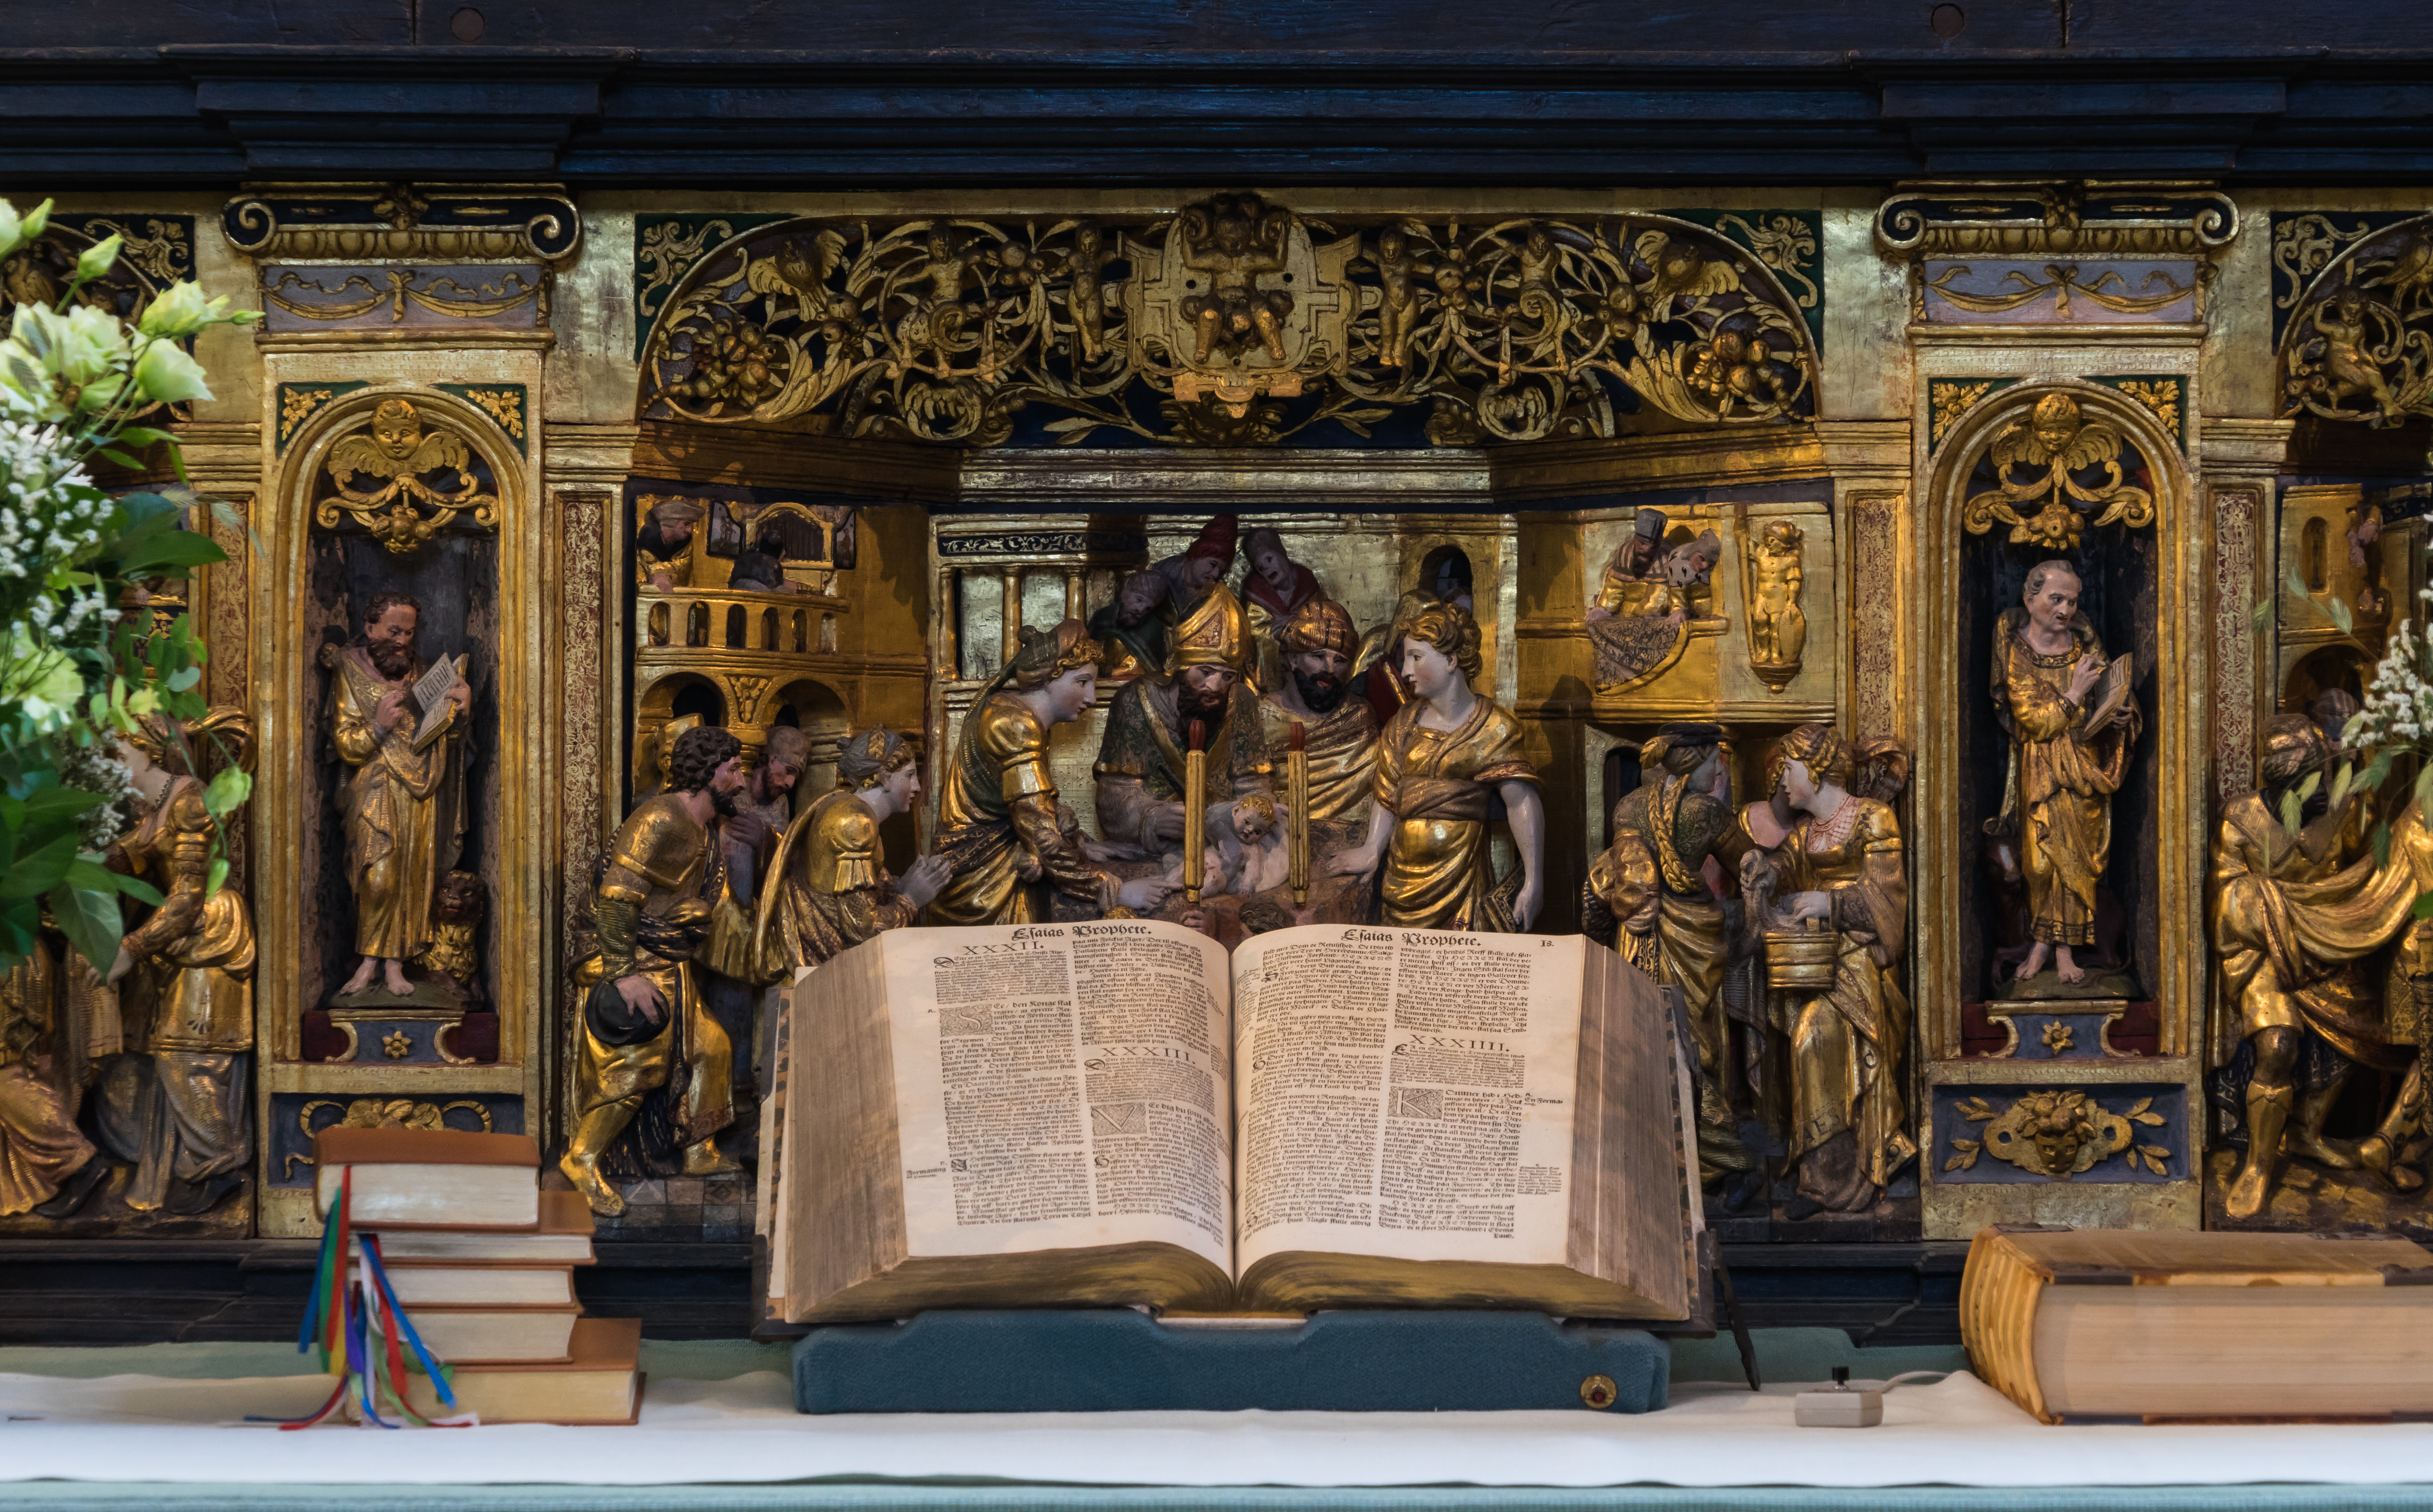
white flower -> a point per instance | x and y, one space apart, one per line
167 376
14 232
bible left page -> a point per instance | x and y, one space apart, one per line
1063 1086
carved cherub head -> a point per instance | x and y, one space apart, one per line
1253 817
2060 1124
2054 424
397 430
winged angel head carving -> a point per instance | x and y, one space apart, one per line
2045 459
399 450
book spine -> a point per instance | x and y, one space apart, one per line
1999 1293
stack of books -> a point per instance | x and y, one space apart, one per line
481 1261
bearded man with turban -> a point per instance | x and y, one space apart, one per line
1140 767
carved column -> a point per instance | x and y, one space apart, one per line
2239 458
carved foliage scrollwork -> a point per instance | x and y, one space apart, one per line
422 479
1234 322
2056 472
2360 345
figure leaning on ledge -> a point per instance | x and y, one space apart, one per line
999 827
1441 758
654 905
404 809
828 889
2295 919
177 1105
1648 896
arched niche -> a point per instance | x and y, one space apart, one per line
2142 592
479 576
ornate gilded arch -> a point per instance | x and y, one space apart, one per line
2360 345
1231 322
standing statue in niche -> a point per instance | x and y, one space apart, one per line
47 1164
2071 726
658 899
1001 829
404 806
1829 891
1441 758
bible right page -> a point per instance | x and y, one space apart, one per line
1405 1094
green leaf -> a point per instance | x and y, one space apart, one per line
228 791
113 454
138 889
2382 844
2306 789
54 803
217 875
92 923
2289 813
36 872
143 436
2338 608
2424 784
2264 616
2340 784
2377 771
170 549
2296 583
2424 907
184 678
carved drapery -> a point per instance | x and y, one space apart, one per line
1233 322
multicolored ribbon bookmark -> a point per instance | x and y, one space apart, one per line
361 1334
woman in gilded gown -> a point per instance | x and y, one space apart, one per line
998 824
1838 866
1441 756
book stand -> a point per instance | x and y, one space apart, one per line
1119 1360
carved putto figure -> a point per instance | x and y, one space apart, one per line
1777 628
1240 242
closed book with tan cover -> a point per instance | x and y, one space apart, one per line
489 1336
564 1238
431 1178
2112 1323
420 1284
597 1384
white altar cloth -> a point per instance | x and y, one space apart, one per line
1958 1432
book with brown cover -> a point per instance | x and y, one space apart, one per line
598 1383
564 1238
422 1146
2172 1325
432 1178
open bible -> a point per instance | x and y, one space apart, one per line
1116 1114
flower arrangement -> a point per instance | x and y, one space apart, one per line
74 380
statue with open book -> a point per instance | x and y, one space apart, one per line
2071 722
398 723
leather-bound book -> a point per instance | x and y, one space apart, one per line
432 1178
